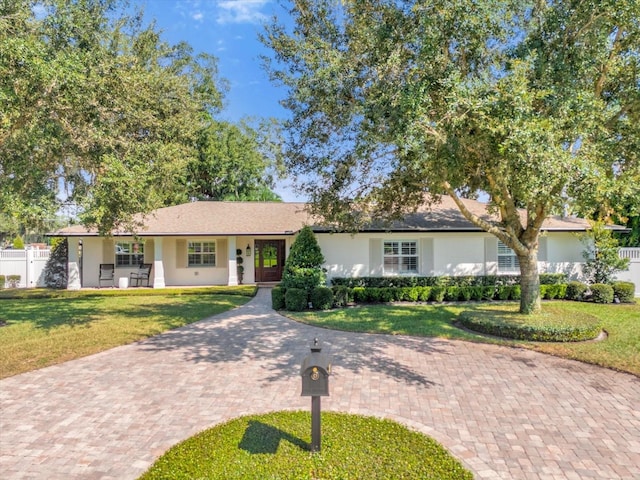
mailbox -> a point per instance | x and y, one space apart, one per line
315 371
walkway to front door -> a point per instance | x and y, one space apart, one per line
269 258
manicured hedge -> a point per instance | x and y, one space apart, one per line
601 293
295 299
277 298
9 281
490 323
624 291
444 281
322 298
576 290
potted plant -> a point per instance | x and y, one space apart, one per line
239 267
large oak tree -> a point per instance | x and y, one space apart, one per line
97 111
395 103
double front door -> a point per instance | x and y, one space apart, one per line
269 260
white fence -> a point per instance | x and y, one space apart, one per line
28 264
633 273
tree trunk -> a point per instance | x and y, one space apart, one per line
529 283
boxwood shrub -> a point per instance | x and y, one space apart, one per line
625 291
576 290
2 280
322 298
437 294
295 299
277 298
601 293
342 296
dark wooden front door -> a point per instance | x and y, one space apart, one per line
269 258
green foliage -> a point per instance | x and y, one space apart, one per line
437 293
564 328
342 296
18 243
303 267
551 291
275 445
2 281
624 291
520 100
576 290
601 255
232 164
96 100
296 299
322 298
277 298
55 271
601 293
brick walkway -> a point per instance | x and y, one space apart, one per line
505 413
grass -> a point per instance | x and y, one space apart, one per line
620 351
276 446
47 327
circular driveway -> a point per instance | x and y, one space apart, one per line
506 413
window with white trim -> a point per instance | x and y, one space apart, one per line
400 257
129 254
507 259
201 254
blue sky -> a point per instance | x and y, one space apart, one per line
227 29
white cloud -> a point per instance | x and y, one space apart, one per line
198 16
241 11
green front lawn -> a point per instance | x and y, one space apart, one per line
40 331
620 351
276 445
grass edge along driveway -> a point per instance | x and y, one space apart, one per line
620 351
46 328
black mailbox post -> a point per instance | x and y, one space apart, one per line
315 371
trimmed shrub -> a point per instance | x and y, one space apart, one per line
552 278
576 290
277 298
451 294
2 280
465 293
341 296
601 293
488 292
625 291
424 293
359 294
322 298
476 292
295 299
303 268
503 292
516 292
437 294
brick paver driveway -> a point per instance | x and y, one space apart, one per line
505 413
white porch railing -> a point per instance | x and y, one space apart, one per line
28 264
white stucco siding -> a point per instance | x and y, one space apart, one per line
345 255
459 254
177 273
564 254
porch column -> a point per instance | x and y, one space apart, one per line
158 266
233 264
73 269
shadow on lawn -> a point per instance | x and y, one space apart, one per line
255 332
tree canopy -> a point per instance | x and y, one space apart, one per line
235 162
535 103
97 112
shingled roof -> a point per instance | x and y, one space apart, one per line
208 218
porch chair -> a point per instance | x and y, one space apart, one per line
107 274
142 274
